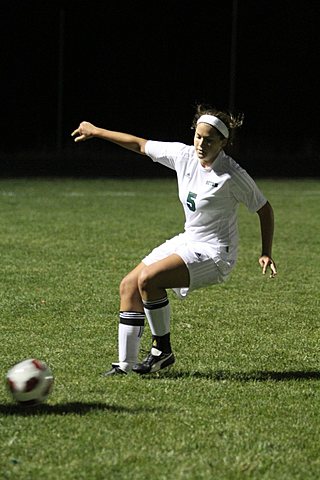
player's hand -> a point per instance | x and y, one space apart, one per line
267 262
85 131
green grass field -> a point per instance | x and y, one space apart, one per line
242 401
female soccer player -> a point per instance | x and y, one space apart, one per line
211 186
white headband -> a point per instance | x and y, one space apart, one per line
215 122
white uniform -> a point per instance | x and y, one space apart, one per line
210 198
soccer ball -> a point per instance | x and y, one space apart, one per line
30 382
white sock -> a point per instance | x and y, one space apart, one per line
158 315
131 326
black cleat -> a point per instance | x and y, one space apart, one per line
154 362
115 370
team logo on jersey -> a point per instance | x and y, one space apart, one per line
212 184
198 254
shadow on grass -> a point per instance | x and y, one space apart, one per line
254 376
71 408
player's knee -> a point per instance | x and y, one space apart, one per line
145 280
128 287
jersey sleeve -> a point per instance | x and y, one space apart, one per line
246 190
166 153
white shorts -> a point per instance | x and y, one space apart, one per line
207 265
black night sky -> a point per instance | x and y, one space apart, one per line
141 66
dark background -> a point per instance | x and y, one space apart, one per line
142 66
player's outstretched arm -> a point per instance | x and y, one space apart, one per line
87 130
267 228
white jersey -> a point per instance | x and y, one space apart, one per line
210 197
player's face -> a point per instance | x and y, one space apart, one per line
208 143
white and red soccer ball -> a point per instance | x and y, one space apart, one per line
30 381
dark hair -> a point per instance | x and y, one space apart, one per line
231 120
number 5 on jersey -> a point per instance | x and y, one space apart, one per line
191 201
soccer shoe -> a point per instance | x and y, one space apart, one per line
115 370
154 362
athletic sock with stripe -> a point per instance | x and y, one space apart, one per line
131 326
158 316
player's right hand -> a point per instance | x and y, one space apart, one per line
85 131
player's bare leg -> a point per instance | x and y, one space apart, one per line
130 298
153 281
171 272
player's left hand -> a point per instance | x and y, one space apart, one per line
266 262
